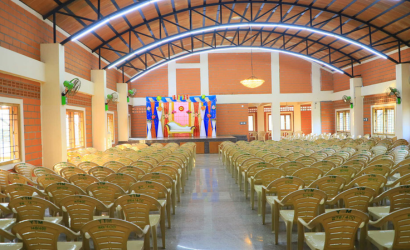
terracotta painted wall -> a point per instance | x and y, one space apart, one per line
138 122
188 81
327 114
228 117
326 80
370 100
295 74
226 70
340 82
154 83
191 59
84 101
378 71
29 92
306 121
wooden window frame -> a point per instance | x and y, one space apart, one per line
20 118
83 125
383 107
291 121
113 125
337 111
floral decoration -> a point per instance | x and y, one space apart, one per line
213 119
153 117
181 108
203 107
159 108
166 116
213 107
188 111
173 111
196 114
148 108
208 115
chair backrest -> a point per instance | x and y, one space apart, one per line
401 170
114 165
136 208
122 180
170 171
399 197
80 209
325 166
376 169
284 186
256 167
357 164
336 159
357 198
267 175
284 152
385 162
24 169
308 174
279 161
109 233
4 178
319 156
57 191
162 178
124 160
39 171
305 203
135 172
146 166
150 160
30 208
306 160
151 188
49 179
106 192
18 190
330 184
346 172
291 167
340 227
57 167
18 178
100 172
374 181
67 172
294 156
87 165
39 234
83 180
171 163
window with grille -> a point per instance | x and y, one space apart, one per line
306 108
285 122
9 133
383 120
75 129
110 126
343 121
252 110
286 108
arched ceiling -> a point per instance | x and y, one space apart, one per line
331 32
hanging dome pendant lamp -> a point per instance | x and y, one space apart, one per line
252 82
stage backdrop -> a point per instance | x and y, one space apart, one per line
185 111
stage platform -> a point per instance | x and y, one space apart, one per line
203 145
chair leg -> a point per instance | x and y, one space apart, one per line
147 244
289 227
252 198
263 210
173 201
163 230
259 203
154 237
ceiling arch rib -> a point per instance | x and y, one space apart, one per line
262 38
273 5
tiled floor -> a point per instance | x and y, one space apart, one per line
213 214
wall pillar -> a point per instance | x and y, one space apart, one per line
356 113
261 118
99 78
275 116
122 109
297 120
403 109
316 118
53 113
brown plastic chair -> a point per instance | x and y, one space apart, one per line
294 156
279 161
306 160
357 164
39 171
17 190
307 204
385 162
122 180
4 179
281 187
33 208
48 179
330 184
173 173
87 165
319 156
340 229
150 160
106 192
40 234
399 198
67 172
165 180
124 160
374 181
336 159
376 169
146 166
17 178
136 208
156 190
4 234
308 174
80 209
358 198
291 167
135 172
112 234
57 191
83 180
348 173
100 172
404 180
114 165
251 171
325 166
25 169
57 167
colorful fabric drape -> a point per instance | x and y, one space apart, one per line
166 109
154 121
196 121
209 119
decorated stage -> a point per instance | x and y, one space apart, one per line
204 145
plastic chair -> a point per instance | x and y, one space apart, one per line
106 192
87 165
356 164
33 208
25 169
291 167
58 166
80 209
17 178
40 234
122 180
404 180
83 180
306 160
294 156
173 173
307 204
260 179
346 172
251 171
48 179
114 165
319 156
135 172
375 181
336 159
4 234
100 172
281 187
340 228
399 198
112 234
17 190
376 169
325 166
39 171
57 191
308 174
165 180
358 198
146 166
67 172
124 160
330 184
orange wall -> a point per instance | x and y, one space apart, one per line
295 74
188 81
306 121
154 83
226 70
378 71
190 59
29 92
326 80
370 100
228 118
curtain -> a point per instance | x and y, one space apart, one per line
196 121
209 120
153 130
166 110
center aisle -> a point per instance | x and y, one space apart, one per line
213 214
